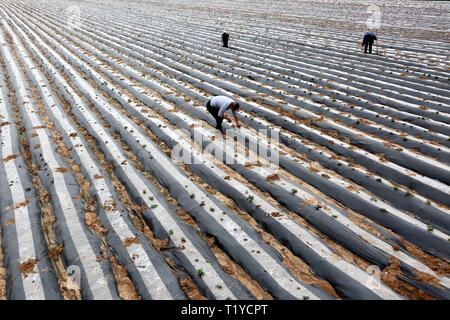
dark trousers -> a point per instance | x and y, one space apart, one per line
225 43
368 44
215 113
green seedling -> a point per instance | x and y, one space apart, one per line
200 272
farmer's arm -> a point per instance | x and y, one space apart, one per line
236 118
221 113
237 122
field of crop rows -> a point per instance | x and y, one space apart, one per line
97 96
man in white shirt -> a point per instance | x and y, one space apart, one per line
217 106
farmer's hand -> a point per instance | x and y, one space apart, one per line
237 122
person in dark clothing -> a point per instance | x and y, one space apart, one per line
368 40
225 37
217 106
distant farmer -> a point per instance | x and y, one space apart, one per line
217 106
368 40
225 37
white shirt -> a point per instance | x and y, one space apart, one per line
223 104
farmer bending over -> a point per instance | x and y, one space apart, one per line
217 106
368 39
